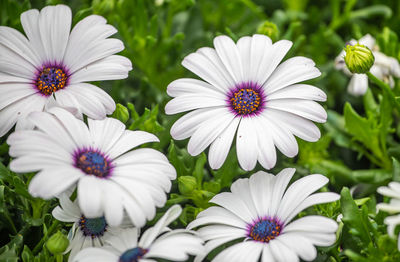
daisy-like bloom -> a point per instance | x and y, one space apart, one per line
246 90
97 159
156 242
384 67
259 210
393 207
85 232
53 63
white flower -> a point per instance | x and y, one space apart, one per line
384 67
246 91
85 232
259 211
97 160
393 207
54 63
156 242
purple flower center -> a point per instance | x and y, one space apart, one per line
133 254
246 99
51 79
94 163
93 227
264 230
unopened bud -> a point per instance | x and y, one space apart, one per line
57 243
186 184
269 29
359 59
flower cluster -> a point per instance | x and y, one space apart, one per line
109 185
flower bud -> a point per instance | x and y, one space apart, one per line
269 29
57 243
121 113
359 59
187 184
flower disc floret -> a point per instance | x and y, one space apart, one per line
264 230
92 162
93 227
133 254
50 80
245 101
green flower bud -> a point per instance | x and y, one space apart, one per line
269 29
103 6
57 243
186 184
359 59
121 113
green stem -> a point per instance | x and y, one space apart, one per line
39 246
385 87
59 258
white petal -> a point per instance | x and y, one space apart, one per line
260 45
49 183
262 190
281 252
270 60
219 149
189 86
234 204
266 147
89 196
299 91
108 68
185 126
6 78
299 126
12 92
298 191
293 70
248 251
95 254
304 108
230 56
282 180
105 133
300 245
283 138
128 140
217 215
54 27
210 245
189 102
12 63
207 70
30 23
317 224
112 203
15 41
244 48
247 144
208 131
358 84
267 254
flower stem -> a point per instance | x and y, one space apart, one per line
385 88
44 238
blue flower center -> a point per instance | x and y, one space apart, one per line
133 254
245 101
264 230
50 80
93 163
93 227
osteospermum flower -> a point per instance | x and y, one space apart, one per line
53 63
156 242
246 90
260 211
384 67
393 207
85 232
97 159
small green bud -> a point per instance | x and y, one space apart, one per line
269 29
359 59
212 186
186 184
103 6
121 113
57 243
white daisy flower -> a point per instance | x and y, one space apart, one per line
156 242
384 67
393 207
85 232
53 63
259 211
247 90
97 159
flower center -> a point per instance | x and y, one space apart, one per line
94 227
133 254
93 163
50 80
264 230
245 101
